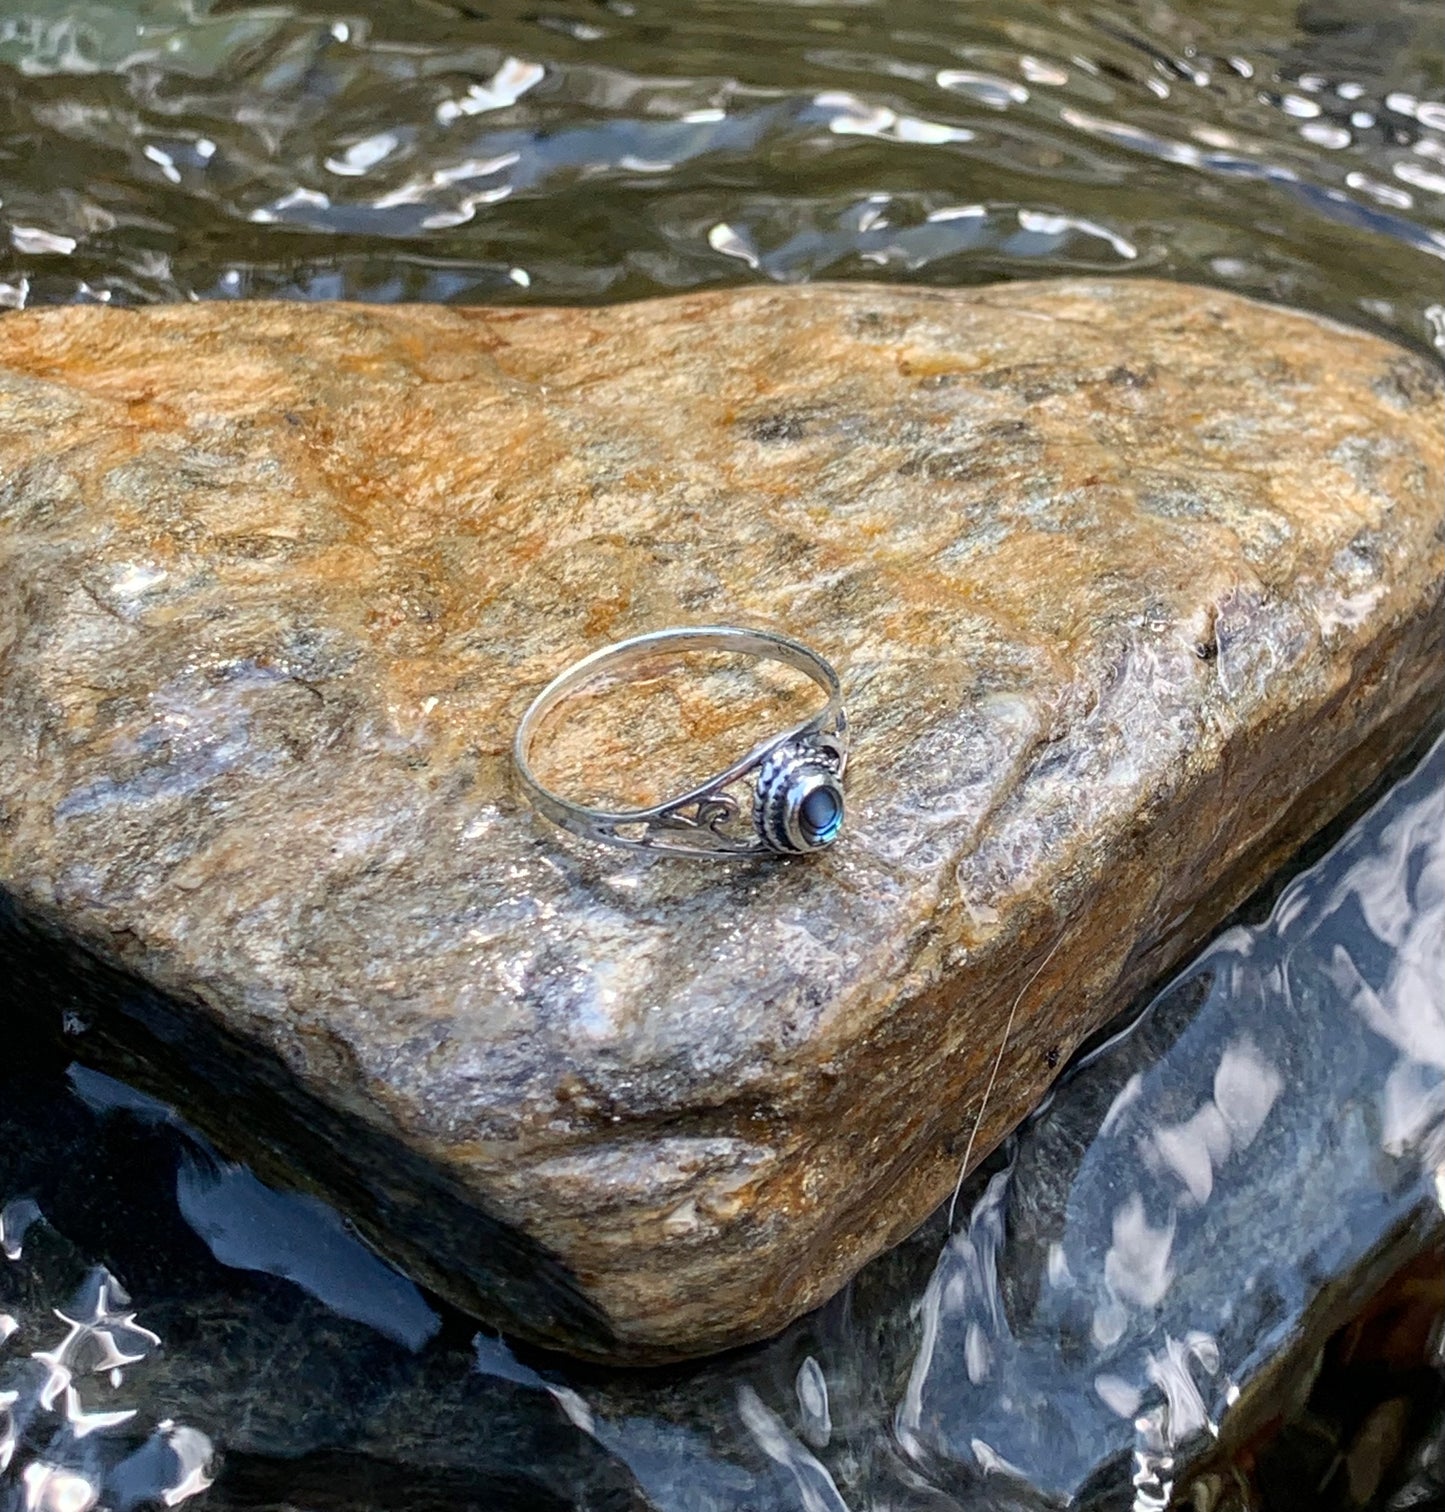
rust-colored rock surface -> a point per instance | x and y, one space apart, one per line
1131 586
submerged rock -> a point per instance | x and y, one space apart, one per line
1131 587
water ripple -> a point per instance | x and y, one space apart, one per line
63 1444
387 151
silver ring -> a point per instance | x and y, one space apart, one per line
795 778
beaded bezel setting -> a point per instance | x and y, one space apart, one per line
798 802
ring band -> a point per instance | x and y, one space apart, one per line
796 777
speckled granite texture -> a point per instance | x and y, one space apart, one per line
1131 585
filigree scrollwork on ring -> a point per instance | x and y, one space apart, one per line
708 813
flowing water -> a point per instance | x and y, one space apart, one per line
1211 1271
487 150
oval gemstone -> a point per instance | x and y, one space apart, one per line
822 812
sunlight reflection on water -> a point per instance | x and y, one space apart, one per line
441 151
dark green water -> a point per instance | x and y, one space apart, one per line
1291 1360
488 150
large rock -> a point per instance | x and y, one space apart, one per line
1131 586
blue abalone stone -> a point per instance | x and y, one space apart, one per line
822 814
798 804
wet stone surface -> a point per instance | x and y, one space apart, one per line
1211 1269
1131 586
